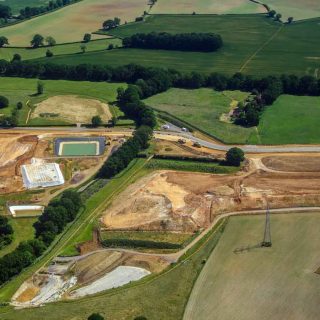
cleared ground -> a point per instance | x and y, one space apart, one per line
187 202
206 6
205 109
293 163
263 283
290 119
72 22
72 109
254 44
298 9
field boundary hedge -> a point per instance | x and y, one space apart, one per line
139 244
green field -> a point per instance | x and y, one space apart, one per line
72 48
253 44
70 23
17 5
23 230
203 108
20 89
79 149
290 119
263 283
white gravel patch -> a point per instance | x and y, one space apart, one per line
116 278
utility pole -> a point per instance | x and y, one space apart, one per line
267 230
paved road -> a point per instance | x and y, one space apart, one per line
186 135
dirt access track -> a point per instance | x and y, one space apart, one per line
183 201
72 109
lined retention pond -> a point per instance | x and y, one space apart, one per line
79 149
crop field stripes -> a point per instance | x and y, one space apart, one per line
275 34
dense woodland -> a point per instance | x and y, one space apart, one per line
205 42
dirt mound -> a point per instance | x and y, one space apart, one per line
72 109
293 163
99 263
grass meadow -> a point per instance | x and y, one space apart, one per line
203 108
20 89
70 23
263 283
290 119
253 44
23 230
17 5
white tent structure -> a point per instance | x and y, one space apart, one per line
43 175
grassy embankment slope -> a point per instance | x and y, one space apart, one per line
20 89
253 44
263 283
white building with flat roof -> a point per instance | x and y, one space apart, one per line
41 175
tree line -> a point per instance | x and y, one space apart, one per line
131 105
206 42
55 217
151 80
6 232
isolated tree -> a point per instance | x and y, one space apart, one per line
96 316
87 37
19 105
40 87
16 57
4 102
234 156
272 13
278 17
108 24
37 41
290 19
3 41
110 46
83 48
50 41
96 121
49 53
